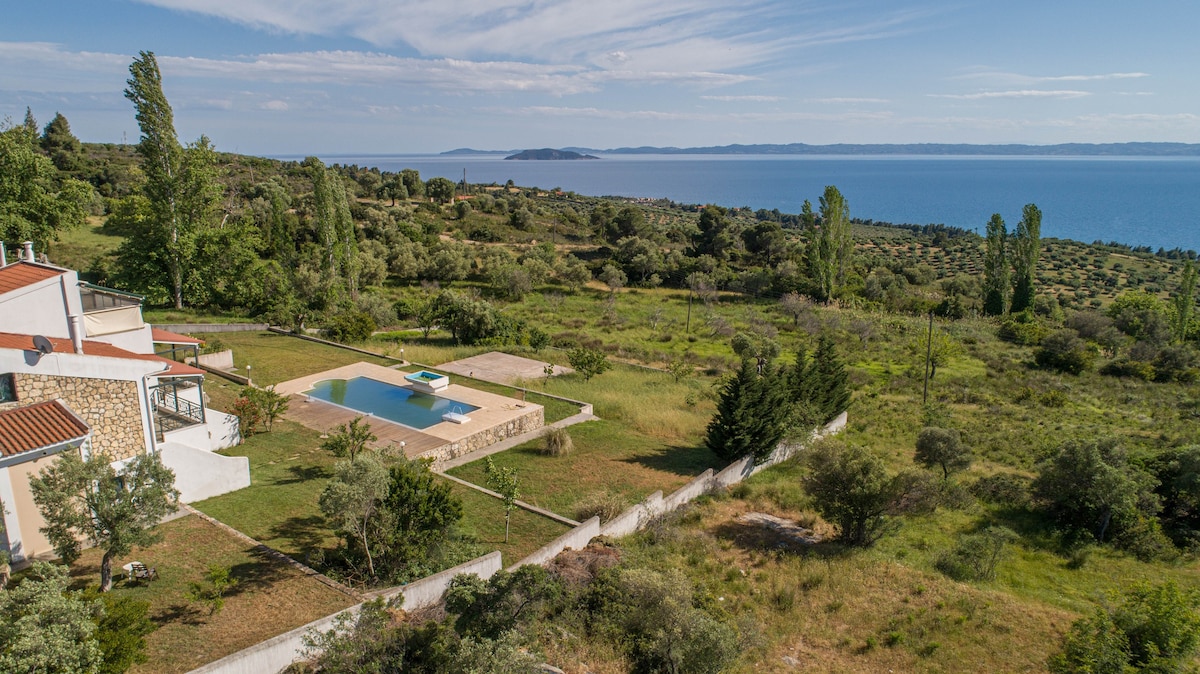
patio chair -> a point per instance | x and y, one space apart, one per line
138 571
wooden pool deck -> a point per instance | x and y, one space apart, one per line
494 410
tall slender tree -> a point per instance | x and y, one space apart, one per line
1027 248
181 186
1185 303
830 245
997 278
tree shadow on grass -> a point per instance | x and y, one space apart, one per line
687 461
180 612
264 571
307 534
304 474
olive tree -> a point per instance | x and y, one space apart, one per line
88 499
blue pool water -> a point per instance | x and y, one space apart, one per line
387 401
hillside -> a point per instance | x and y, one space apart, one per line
1104 351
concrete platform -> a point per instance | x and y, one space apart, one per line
501 368
494 411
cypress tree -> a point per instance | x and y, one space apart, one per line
996 275
752 414
1026 250
831 391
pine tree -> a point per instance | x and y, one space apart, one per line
996 274
830 382
752 414
1027 248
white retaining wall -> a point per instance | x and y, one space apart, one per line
275 654
200 474
221 360
576 539
634 518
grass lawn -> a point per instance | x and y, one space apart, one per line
288 471
270 598
483 518
78 248
607 457
274 357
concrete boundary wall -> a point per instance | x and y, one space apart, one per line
698 486
429 590
198 328
277 653
634 518
576 539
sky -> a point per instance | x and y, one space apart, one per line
277 77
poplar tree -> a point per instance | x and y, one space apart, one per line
334 225
996 275
1027 246
831 245
1185 303
181 186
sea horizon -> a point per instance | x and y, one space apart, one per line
1133 200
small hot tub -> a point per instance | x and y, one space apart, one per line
427 382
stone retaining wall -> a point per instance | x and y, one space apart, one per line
110 407
526 423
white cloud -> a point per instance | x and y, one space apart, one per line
850 100
275 105
1009 78
671 115
747 98
1023 93
667 35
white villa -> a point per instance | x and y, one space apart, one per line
79 372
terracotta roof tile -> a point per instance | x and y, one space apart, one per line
161 336
20 274
26 429
10 340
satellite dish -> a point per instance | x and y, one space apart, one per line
42 344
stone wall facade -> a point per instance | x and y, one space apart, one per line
525 423
110 407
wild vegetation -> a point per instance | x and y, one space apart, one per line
1017 487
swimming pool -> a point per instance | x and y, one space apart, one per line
387 401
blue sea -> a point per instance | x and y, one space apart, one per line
1141 201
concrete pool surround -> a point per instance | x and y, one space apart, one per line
497 417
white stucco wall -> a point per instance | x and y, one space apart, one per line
200 474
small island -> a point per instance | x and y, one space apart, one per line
549 153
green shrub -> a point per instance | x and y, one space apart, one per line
350 326
1004 489
975 556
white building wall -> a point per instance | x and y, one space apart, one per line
36 309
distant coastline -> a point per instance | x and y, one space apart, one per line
918 149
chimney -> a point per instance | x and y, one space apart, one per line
77 332
28 251
3 259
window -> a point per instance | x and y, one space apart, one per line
8 388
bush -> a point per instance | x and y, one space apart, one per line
602 504
1066 352
350 326
557 442
1124 367
975 556
1023 329
1156 628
